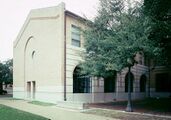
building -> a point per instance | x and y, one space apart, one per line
46 63
160 84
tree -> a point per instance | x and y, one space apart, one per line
118 33
9 71
1 75
6 72
159 11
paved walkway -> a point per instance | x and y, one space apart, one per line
52 112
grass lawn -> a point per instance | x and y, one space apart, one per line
8 113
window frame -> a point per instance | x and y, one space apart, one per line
76 32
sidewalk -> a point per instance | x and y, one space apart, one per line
52 112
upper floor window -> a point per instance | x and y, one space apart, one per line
75 36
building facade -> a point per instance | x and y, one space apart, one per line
47 54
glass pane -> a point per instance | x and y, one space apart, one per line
75 43
75 29
75 36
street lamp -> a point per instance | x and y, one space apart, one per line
130 62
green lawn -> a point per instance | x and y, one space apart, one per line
8 113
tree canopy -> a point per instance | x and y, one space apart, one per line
159 11
6 72
117 34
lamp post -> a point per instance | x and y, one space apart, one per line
130 64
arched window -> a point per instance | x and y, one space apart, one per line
33 54
126 82
81 83
143 80
109 83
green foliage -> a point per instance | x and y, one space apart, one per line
158 9
116 35
159 12
6 71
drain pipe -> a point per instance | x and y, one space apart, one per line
65 57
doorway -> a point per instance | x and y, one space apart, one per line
28 89
34 89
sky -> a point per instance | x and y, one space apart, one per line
13 14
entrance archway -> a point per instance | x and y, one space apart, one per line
81 83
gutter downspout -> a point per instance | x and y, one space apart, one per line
65 56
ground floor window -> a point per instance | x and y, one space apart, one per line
126 82
143 80
81 83
109 84
163 82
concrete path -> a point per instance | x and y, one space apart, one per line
51 112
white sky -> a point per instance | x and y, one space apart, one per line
14 12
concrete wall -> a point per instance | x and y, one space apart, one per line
73 59
43 33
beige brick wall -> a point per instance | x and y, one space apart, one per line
43 32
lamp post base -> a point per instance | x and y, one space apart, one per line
129 108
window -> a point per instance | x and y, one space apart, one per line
109 84
126 82
143 83
33 54
163 82
81 83
75 36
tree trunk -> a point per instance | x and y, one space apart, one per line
129 106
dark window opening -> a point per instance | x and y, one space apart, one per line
81 83
126 82
163 83
109 84
143 80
